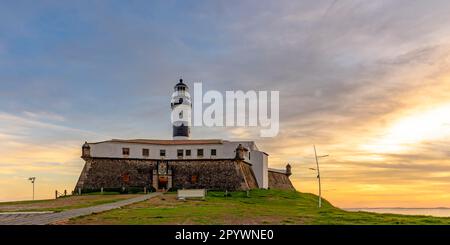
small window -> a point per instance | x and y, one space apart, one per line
188 152
126 151
213 152
145 152
162 153
180 153
125 177
200 152
248 155
194 179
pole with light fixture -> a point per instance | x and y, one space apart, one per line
318 174
32 179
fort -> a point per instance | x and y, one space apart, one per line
179 163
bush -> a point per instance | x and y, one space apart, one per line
135 190
119 190
89 190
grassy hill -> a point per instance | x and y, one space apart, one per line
62 204
261 207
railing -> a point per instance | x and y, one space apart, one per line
60 194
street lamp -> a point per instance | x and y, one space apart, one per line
32 179
318 174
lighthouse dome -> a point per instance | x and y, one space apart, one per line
181 86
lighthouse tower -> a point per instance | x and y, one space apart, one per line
181 111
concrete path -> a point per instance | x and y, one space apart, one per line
45 219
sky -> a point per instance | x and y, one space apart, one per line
367 82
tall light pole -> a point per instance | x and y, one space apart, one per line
318 174
32 179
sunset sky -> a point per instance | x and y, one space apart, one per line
367 82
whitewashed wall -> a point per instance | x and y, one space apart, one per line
258 159
260 167
114 150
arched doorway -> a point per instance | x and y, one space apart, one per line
162 176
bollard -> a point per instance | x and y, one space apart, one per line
65 192
101 190
248 193
56 194
79 191
145 190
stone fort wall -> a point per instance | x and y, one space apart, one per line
213 174
280 181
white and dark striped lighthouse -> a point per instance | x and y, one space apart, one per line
181 111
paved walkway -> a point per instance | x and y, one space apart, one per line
45 219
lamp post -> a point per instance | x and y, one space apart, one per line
318 174
32 179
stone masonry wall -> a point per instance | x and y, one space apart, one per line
208 173
116 173
280 181
250 178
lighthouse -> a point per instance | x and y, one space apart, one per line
181 111
206 163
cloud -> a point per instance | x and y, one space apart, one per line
32 145
347 71
44 116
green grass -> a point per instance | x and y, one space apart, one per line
104 193
78 205
63 203
262 207
24 202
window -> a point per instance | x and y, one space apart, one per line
180 153
248 155
126 178
200 152
162 153
145 152
188 152
126 151
194 179
213 152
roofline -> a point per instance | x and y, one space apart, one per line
174 142
163 141
280 171
177 159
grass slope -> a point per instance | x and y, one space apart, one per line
64 203
262 207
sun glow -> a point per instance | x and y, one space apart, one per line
407 132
